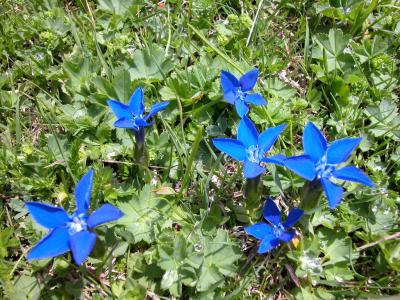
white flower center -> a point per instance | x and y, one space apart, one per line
254 154
240 94
278 230
77 224
324 170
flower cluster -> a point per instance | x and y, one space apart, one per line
319 162
75 232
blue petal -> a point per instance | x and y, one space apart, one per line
352 173
241 107
229 82
230 97
340 150
248 80
267 244
287 236
233 148
83 191
302 165
47 215
120 110
294 215
278 159
82 244
255 99
132 123
136 104
333 192
126 123
268 137
271 212
156 108
252 169
142 122
247 132
259 230
314 143
53 244
105 213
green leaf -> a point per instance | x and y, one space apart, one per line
143 215
7 240
385 120
118 7
391 251
121 84
25 287
149 64
217 261
336 246
278 89
331 50
173 260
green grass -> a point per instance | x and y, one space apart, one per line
335 63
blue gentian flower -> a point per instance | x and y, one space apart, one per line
132 116
320 162
70 232
235 91
250 147
271 235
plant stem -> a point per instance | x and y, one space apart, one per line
140 166
140 147
312 191
252 191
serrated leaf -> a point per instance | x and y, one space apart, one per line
385 120
336 246
25 287
279 89
149 64
217 261
143 215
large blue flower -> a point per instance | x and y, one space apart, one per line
272 235
250 147
132 115
235 91
70 232
320 162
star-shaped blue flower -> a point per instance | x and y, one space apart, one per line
70 232
235 91
250 147
132 115
272 235
320 162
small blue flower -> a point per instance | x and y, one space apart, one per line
272 235
132 115
70 232
320 162
235 91
250 147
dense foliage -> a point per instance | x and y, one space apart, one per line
334 63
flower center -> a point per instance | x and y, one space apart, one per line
254 154
324 170
240 94
135 118
77 223
278 230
